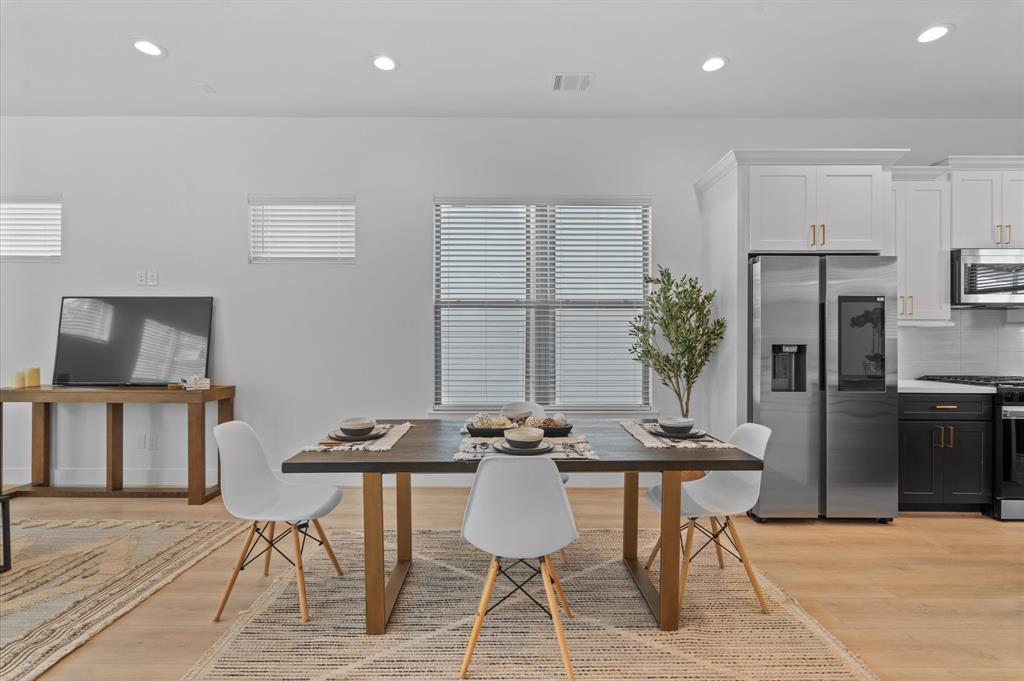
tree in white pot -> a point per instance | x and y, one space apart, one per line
677 334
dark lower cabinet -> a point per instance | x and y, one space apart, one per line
920 463
945 462
967 463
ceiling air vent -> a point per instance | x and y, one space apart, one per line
572 82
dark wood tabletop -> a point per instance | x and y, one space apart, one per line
430 444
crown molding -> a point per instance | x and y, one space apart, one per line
983 162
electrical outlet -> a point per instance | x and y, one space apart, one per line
152 277
140 277
154 442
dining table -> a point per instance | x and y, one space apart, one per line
429 448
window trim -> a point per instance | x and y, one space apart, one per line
343 200
57 199
645 202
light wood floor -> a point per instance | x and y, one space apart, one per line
932 596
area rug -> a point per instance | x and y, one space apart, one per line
722 636
72 578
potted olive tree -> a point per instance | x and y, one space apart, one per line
677 333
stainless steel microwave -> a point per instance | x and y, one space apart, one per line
988 277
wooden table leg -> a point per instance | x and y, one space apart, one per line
41 444
115 446
373 552
225 413
630 527
403 504
669 577
196 453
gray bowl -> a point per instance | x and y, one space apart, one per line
524 438
358 426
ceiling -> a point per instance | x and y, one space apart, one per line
836 58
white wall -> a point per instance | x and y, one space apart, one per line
170 194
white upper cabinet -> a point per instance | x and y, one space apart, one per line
988 201
818 208
783 208
851 209
1013 208
977 207
922 219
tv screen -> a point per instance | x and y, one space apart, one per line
132 340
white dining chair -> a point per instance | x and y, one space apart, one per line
720 494
252 492
518 510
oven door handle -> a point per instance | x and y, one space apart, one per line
1012 413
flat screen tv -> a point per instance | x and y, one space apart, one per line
132 340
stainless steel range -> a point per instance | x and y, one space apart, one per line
1008 471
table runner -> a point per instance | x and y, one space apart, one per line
641 431
576 447
395 431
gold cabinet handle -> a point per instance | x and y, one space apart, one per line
947 406
903 304
814 235
1000 239
823 239
1009 234
942 437
952 441
911 305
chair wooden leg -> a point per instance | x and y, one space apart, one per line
545 569
654 554
481 611
748 566
234 573
270 548
685 568
300 578
558 588
718 546
564 556
327 547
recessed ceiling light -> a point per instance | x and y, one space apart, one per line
714 64
149 48
385 63
934 33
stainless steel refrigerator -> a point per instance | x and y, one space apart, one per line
823 378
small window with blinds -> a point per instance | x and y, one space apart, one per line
302 229
532 301
30 228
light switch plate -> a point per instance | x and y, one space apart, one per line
152 277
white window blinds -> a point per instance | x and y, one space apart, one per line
302 230
533 301
30 227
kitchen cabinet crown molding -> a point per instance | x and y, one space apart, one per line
976 162
779 157
919 173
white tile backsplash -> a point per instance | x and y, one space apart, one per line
979 342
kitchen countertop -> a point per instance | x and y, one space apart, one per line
907 385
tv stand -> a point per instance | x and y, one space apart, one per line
115 398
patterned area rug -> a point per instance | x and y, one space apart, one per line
723 634
72 578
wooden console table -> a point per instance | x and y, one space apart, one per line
115 398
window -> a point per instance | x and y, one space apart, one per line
302 230
30 228
532 301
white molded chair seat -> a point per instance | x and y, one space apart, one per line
291 503
518 509
252 492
